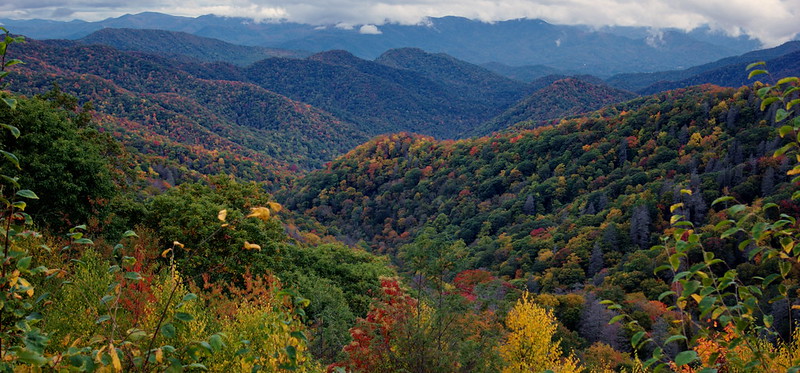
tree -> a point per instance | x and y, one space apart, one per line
529 346
640 226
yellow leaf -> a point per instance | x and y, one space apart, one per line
793 171
24 283
178 244
275 207
697 298
259 212
675 207
165 252
796 306
251 246
159 355
686 191
222 215
114 358
225 225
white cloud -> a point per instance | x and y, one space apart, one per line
771 21
369 30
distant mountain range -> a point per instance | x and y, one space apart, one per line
724 72
248 110
172 43
522 42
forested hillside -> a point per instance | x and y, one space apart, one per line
584 174
562 98
167 113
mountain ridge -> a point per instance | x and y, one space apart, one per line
578 49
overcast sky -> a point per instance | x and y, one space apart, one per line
771 21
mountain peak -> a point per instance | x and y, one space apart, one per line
337 57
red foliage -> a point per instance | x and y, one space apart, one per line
466 281
138 294
374 335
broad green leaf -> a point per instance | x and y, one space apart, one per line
183 316
675 338
756 73
14 130
13 62
781 114
665 294
12 103
788 80
637 338
685 357
168 330
767 101
754 64
31 357
135 276
216 342
11 157
616 319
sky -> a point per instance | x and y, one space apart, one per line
770 21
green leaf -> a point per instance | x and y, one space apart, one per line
730 232
24 263
754 64
616 319
216 342
785 267
781 114
785 130
661 268
794 102
106 299
189 297
299 335
14 130
637 338
788 80
292 352
135 276
12 103
685 357
183 316
767 101
129 234
756 73
11 157
25 193
666 294
168 330
722 199
675 338
31 357
196 366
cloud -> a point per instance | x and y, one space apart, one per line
771 21
62 13
369 30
